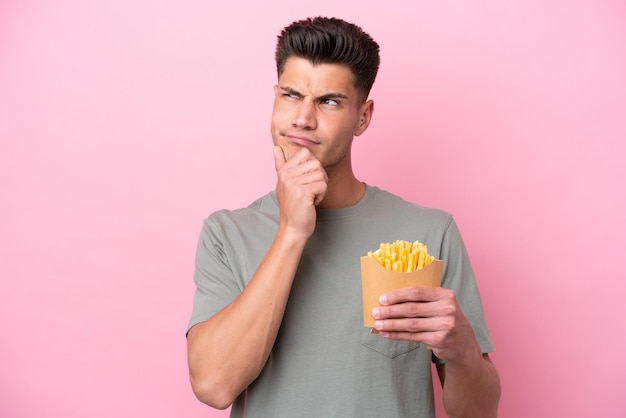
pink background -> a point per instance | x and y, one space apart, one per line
124 123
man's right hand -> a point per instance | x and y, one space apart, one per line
301 186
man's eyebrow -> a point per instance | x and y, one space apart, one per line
332 95
329 95
289 90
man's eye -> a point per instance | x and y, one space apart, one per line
330 102
290 95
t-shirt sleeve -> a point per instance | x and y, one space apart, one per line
215 283
458 275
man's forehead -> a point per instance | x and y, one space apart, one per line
301 74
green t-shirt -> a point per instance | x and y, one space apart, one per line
325 363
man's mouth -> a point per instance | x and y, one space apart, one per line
301 140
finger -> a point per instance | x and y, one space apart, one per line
279 157
413 325
407 310
312 183
311 167
302 155
320 193
411 294
310 176
418 337
306 170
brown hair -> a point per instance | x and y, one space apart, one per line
323 40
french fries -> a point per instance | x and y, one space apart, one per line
402 256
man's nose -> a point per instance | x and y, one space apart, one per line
305 117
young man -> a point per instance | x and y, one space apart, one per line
277 328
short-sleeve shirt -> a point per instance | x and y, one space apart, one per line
324 362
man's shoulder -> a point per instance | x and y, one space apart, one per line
265 203
264 206
395 203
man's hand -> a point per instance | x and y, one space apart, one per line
430 315
301 185
228 351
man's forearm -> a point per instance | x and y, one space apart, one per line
471 389
228 351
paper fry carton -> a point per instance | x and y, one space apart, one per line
377 280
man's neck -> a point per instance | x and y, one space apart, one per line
342 192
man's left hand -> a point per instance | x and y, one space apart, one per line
430 315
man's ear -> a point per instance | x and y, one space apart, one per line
365 117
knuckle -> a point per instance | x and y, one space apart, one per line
414 293
449 294
413 325
447 325
412 309
450 310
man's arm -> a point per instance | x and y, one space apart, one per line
431 315
473 391
228 351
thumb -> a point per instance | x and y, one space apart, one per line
279 157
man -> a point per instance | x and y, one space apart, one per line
277 326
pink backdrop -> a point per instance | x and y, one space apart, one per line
124 123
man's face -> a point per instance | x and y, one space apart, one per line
318 107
